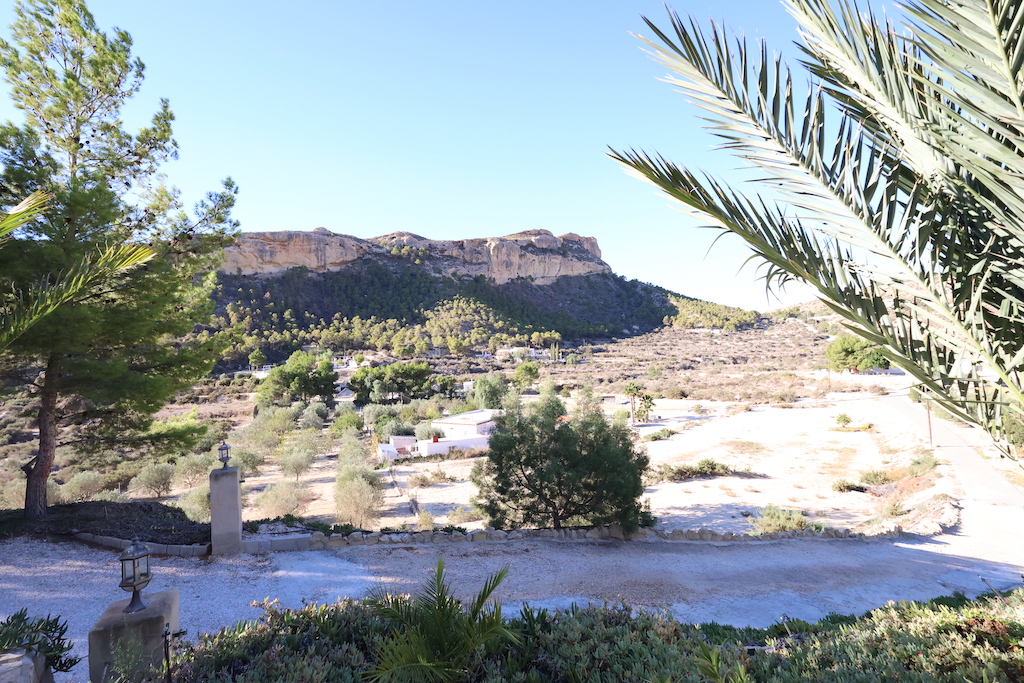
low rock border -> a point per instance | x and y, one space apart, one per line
193 550
320 541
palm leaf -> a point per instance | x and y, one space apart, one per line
27 307
904 215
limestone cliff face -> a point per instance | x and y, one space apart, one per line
535 254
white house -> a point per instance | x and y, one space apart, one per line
465 430
466 425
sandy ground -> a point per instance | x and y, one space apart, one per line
783 456
739 583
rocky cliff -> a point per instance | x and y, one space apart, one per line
537 255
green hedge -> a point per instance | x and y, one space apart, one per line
949 639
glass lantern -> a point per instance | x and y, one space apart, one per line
135 573
224 453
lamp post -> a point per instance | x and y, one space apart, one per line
135 573
224 454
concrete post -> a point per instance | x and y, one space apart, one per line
142 631
225 511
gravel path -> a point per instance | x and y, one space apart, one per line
743 583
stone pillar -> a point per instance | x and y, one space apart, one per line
225 511
145 628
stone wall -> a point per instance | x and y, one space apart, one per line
319 541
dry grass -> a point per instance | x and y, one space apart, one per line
838 466
745 447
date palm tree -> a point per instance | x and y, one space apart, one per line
893 186
19 310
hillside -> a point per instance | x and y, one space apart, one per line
407 294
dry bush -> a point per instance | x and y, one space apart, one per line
773 520
461 514
357 502
283 498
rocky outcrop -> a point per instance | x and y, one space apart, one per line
272 253
537 255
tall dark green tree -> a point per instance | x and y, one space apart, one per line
542 469
303 377
398 381
111 360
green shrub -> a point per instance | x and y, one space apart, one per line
154 479
426 430
425 521
773 520
844 486
705 467
46 636
346 419
842 419
283 498
894 508
82 486
296 461
433 637
921 466
438 476
112 496
248 460
419 481
875 478
395 427
191 470
310 420
663 433
948 640
357 497
196 504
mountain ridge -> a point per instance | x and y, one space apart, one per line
536 255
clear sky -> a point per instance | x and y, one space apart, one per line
449 119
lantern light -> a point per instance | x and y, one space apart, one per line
225 454
135 573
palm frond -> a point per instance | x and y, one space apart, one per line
905 215
25 308
25 212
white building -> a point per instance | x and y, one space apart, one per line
465 430
466 425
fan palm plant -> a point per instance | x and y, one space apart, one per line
435 638
900 178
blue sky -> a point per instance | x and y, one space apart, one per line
450 119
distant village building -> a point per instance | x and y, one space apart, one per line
527 352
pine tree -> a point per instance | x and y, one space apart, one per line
542 469
114 351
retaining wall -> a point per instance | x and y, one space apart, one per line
320 541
